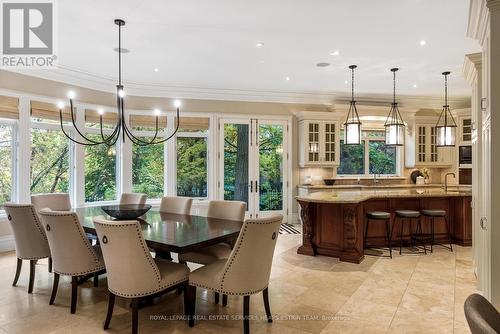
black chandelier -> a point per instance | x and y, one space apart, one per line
121 125
446 126
352 125
394 124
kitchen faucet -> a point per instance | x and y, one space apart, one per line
446 180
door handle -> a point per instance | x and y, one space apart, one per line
256 186
251 186
483 222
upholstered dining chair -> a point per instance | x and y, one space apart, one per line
133 198
229 210
72 253
132 271
246 271
481 315
29 236
55 201
176 204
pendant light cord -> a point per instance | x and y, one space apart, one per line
446 89
120 55
352 84
394 86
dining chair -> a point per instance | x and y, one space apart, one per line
132 272
133 198
227 210
72 253
54 201
246 272
481 315
29 236
176 204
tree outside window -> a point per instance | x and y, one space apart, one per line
192 167
147 169
100 172
5 164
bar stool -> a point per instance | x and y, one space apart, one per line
431 214
407 216
379 216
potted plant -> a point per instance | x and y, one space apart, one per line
426 174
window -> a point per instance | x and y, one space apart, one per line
6 162
192 157
147 169
372 156
100 172
49 161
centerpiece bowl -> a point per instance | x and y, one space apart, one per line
126 211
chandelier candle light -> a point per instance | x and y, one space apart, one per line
352 125
394 125
121 125
446 126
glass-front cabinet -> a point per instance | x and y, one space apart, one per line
319 143
426 151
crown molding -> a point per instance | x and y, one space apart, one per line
472 65
405 101
493 5
477 26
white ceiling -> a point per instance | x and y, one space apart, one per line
210 46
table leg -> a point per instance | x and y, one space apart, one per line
163 255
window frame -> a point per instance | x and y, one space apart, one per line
367 139
13 158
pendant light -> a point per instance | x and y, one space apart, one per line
446 127
394 125
352 125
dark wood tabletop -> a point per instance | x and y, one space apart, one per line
167 232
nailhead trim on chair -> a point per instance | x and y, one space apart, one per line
98 266
221 289
152 292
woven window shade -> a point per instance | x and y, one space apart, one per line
193 123
92 116
148 121
9 107
49 111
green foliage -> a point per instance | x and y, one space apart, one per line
5 163
352 159
382 158
191 167
147 169
100 172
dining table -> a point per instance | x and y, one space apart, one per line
167 232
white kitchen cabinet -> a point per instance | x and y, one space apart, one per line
319 143
427 153
465 130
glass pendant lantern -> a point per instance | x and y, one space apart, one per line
394 124
446 127
352 125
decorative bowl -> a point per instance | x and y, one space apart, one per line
126 211
329 182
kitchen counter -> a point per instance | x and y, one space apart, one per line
391 186
334 223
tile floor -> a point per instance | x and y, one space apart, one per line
408 294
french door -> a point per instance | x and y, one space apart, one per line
253 164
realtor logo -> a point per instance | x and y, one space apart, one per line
28 34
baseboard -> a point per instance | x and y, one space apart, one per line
7 243
293 218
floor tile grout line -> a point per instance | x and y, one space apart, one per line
454 288
404 293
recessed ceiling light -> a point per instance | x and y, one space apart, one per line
259 44
414 85
334 53
423 42
323 64
156 70
287 78
346 82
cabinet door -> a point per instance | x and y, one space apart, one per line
421 143
330 134
313 142
433 157
466 129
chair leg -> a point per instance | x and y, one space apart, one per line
216 297
224 300
50 264
449 234
265 296
246 315
190 301
111 304
32 276
18 271
388 234
402 221
135 315
432 235
54 289
96 280
366 232
74 293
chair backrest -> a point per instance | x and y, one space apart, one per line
29 235
133 198
72 253
131 269
56 201
248 268
176 204
481 315
230 210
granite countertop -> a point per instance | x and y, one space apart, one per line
361 186
357 196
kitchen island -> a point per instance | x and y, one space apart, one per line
333 222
